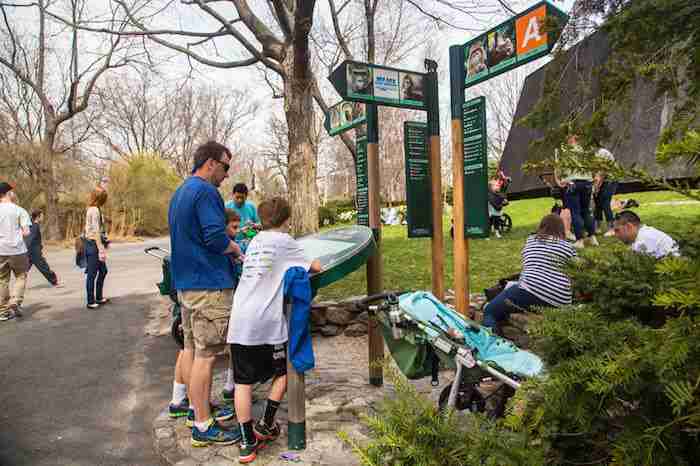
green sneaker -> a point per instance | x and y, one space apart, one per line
179 410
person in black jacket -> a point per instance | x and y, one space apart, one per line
35 249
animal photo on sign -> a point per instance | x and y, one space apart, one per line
501 44
359 79
346 112
411 86
358 110
476 58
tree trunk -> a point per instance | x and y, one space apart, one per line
301 168
49 185
300 115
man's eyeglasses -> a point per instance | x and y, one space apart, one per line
224 164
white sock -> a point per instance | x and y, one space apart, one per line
179 393
229 379
202 426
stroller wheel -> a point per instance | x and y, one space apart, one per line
468 397
176 331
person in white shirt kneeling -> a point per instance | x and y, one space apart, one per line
642 238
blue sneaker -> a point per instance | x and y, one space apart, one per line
219 413
179 410
215 434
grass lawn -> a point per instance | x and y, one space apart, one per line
407 261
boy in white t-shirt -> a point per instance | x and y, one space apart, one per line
257 328
14 226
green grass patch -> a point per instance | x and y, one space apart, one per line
407 262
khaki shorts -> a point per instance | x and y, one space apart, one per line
205 315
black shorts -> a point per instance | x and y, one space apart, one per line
258 364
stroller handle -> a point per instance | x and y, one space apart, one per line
364 302
157 252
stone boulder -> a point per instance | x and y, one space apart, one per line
331 330
356 329
339 315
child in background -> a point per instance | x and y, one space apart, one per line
233 226
258 327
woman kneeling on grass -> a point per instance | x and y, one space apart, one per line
542 280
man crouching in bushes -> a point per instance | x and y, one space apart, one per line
257 328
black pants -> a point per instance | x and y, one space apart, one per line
37 259
577 198
96 273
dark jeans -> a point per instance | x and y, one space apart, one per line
96 273
603 201
37 259
512 299
577 198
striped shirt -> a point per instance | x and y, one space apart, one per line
542 274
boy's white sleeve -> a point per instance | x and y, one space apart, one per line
296 256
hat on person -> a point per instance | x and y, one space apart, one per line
5 188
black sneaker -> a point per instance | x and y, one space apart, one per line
263 432
248 451
7 315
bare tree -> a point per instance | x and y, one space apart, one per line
43 87
170 120
276 37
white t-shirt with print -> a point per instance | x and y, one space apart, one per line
257 316
654 242
12 219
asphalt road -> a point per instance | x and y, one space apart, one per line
79 386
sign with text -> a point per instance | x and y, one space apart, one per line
382 85
361 182
476 215
419 215
344 116
512 43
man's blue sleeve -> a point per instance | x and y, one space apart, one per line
212 220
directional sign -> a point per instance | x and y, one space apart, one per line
344 116
476 215
419 212
512 43
361 182
373 84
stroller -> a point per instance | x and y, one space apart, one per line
500 221
423 335
166 289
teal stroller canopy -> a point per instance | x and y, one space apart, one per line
426 309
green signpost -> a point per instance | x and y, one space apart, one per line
476 219
374 84
361 182
419 210
519 40
344 116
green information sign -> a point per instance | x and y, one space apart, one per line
476 215
382 85
512 43
418 184
340 251
361 188
344 116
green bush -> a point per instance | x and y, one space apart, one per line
408 429
140 191
623 370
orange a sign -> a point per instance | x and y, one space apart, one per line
527 27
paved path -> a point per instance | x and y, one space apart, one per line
81 387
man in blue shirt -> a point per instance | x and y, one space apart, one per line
203 277
245 208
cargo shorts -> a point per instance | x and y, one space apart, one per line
205 315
